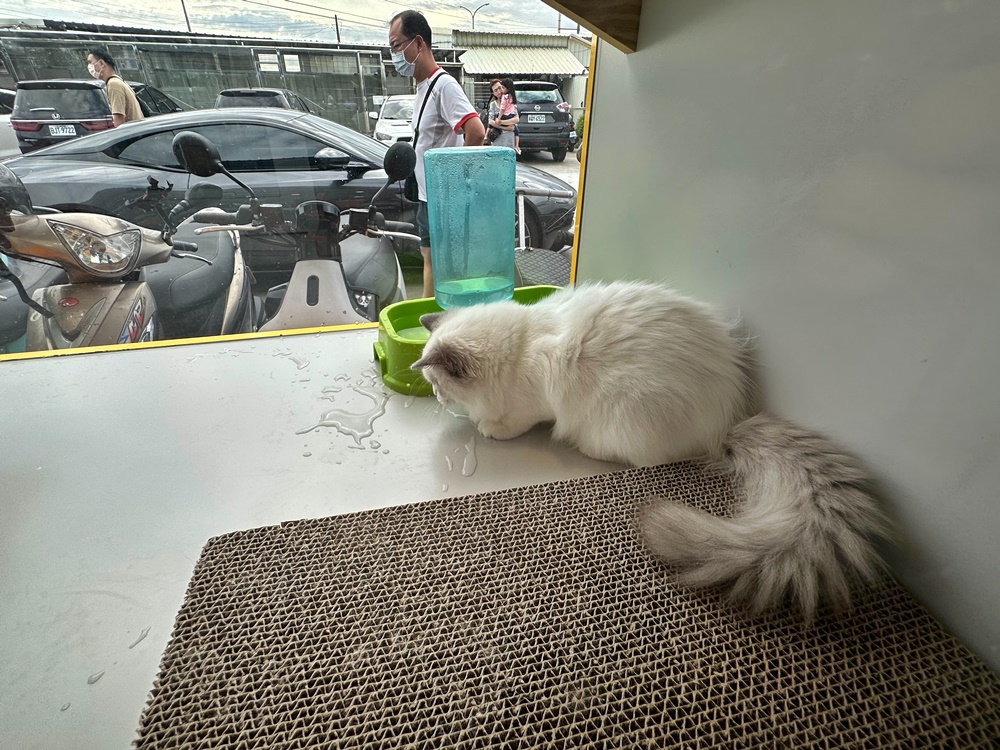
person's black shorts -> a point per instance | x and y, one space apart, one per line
423 226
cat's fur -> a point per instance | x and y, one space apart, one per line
636 373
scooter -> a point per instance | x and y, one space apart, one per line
111 297
346 266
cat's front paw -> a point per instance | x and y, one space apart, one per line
497 430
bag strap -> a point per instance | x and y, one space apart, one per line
416 128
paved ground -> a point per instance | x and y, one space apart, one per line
567 170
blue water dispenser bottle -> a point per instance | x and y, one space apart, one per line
470 209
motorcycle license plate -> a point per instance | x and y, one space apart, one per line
536 118
62 130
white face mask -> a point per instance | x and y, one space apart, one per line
92 70
404 67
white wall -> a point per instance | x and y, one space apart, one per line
832 169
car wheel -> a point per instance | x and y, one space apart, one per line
558 154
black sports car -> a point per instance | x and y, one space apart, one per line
286 156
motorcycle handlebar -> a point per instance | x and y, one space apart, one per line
185 247
400 226
214 216
246 228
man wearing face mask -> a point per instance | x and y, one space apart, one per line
124 106
448 119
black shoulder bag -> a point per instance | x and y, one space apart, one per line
411 191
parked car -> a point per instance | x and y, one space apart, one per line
394 120
545 122
53 111
259 97
286 157
155 102
8 138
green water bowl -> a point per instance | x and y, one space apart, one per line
401 339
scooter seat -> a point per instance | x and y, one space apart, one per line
190 294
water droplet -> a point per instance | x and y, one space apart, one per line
469 464
385 451
444 488
343 376
95 677
142 635
65 707
375 444
447 460
306 454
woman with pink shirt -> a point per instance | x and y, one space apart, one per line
503 117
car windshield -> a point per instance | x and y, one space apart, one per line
398 110
71 104
533 96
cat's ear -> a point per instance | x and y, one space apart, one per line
455 360
431 320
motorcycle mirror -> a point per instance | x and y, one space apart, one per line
400 161
197 154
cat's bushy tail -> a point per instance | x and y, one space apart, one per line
804 532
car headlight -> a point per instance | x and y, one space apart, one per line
97 253
382 136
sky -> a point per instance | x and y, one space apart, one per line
359 21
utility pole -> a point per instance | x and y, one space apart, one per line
473 13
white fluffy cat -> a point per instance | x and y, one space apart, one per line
636 373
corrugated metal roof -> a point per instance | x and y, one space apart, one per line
521 61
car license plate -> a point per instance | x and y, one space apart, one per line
62 130
536 118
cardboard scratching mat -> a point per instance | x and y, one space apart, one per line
531 618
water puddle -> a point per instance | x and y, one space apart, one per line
357 425
137 641
469 464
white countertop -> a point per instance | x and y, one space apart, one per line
118 467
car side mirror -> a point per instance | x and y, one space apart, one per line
373 115
331 158
197 154
400 161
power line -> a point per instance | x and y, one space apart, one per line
317 15
382 22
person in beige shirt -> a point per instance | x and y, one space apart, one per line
124 106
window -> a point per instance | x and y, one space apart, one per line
154 150
243 148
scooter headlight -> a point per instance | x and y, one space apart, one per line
98 253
